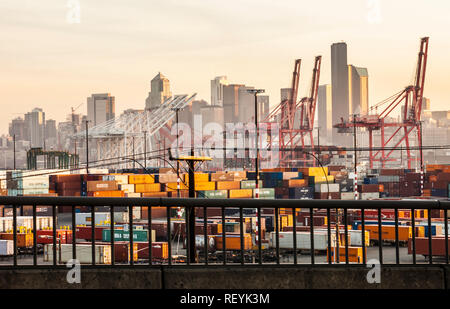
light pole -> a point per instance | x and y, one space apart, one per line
87 147
14 150
176 109
145 148
255 92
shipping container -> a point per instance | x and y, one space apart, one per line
303 240
6 247
83 252
233 242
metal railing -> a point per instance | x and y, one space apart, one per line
336 210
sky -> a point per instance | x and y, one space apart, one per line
53 57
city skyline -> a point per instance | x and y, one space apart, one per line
51 63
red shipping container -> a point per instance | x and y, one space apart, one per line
160 250
85 232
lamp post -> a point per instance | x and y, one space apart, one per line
255 92
145 148
176 109
87 147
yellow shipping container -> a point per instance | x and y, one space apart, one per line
141 179
355 254
198 177
172 186
323 179
142 188
205 186
241 193
317 171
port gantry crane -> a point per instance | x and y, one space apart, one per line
291 132
412 97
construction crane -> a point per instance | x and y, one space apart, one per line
411 100
292 133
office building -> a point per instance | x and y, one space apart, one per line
217 85
51 136
340 95
324 112
159 92
100 108
35 125
17 128
358 90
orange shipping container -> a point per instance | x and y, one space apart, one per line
241 193
23 240
228 185
148 187
355 254
295 183
140 179
172 186
102 185
155 194
388 232
198 177
233 242
107 194
205 186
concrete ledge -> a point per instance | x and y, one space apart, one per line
90 279
303 277
236 277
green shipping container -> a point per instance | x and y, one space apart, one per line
121 235
250 184
265 193
213 194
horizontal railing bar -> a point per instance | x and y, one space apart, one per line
233 203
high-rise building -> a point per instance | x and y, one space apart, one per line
263 107
324 111
217 90
358 90
231 103
340 96
35 125
100 108
51 136
159 92
17 128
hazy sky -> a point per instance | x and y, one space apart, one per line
118 46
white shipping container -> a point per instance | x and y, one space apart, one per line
6 247
121 179
370 195
127 188
303 240
85 218
129 194
84 253
347 196
323 187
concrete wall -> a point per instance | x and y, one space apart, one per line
236 277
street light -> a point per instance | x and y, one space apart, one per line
255 92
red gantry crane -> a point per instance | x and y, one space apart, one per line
411 99
292 133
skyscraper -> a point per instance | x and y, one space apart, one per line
17 128
217 90
100 108
51 136
324 111
159 93
339 83
358 89
35 124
